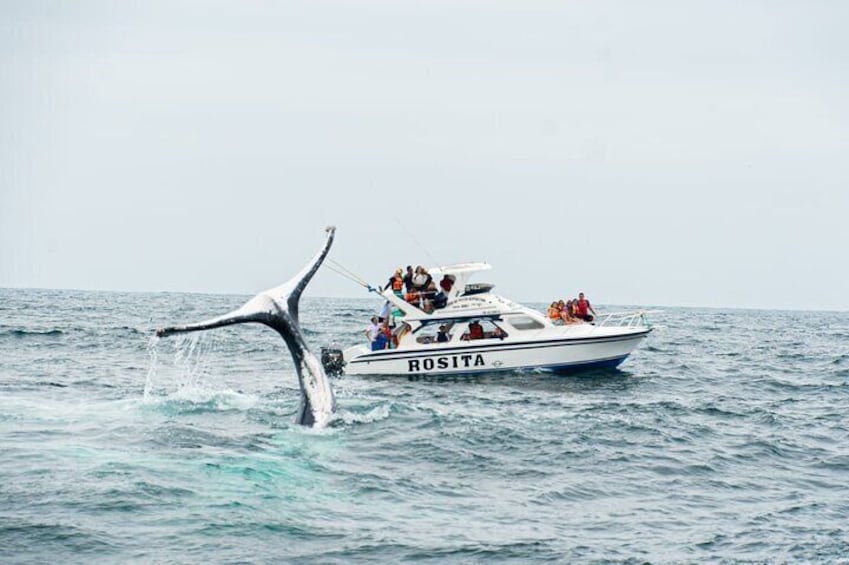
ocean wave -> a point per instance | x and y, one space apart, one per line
198 400
376 414
22 539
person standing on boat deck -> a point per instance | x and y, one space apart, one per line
420 279
386 332
372 330
380 341
408 279
584 308
428 278
396 283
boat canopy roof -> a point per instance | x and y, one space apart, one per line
465 269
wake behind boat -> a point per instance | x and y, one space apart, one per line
477 331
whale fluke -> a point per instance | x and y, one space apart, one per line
278 308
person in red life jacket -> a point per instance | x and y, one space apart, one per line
387 334
446 283
475 330
583 309
396 283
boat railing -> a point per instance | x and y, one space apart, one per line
633 319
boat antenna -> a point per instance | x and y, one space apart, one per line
417 242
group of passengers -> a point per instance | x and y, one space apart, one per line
573 311
475 331
382 333
418 288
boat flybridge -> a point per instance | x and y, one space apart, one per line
478 331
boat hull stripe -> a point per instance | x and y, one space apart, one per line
561 368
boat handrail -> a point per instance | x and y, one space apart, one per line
632 319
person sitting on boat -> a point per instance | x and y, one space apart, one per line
414 297
566 313
399 332
428 295
442 336
446 283
498 333
440 300
396 283
554 313
583 309
475 330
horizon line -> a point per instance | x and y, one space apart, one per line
211 293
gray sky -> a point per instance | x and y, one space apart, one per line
657 152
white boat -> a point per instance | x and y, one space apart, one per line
513 337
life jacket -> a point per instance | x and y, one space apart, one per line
475 331
397 283
582 307
411 297
553 313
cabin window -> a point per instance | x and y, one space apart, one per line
430 333
525 323
481 329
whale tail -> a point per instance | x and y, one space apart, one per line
278 308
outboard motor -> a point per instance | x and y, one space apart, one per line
333 361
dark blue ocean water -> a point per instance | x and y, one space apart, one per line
724 438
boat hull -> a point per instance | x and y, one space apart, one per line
564 355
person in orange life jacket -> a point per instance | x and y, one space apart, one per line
583 309
554 313
413 297
396 283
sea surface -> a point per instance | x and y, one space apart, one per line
724 438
